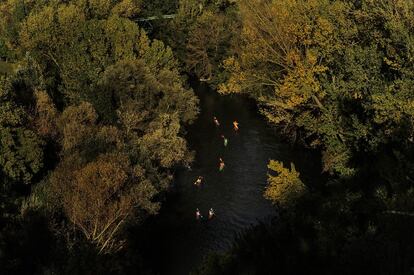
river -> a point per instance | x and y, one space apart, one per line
175 241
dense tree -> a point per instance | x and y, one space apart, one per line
209 42
109 172
144 90
21 152
92 117
336 75
21 164
326 73
105 99
201 35
103 195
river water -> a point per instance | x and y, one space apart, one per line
176 242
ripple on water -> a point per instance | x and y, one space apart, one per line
236 194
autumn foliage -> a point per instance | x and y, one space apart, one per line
106 98
335 75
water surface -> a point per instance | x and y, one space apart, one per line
177 241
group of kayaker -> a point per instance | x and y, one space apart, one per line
225 140
211 214
235 124
200 179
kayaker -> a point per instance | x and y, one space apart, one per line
198 181
225 140
198 215
216 121
235 126
221 165
211 213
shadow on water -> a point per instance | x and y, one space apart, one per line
175 241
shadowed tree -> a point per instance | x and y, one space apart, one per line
21 149
320 70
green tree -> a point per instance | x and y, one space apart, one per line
330 73
109 101
21 150
201 35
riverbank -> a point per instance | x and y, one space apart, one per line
176 242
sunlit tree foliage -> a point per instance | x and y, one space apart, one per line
335 74
285 187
